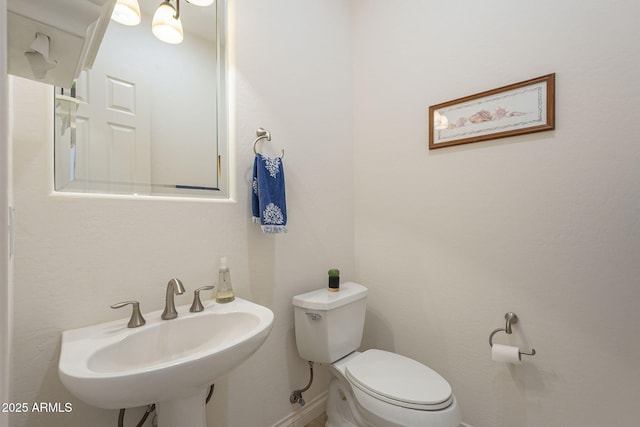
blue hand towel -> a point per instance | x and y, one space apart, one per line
268 199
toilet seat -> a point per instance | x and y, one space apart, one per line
399 380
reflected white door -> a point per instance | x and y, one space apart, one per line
113 129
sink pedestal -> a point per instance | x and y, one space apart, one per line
184 412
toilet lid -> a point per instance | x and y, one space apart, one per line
399 380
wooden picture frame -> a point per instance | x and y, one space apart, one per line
516 109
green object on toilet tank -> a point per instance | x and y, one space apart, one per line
334 280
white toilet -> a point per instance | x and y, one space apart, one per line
371 389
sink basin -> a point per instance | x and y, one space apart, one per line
170 363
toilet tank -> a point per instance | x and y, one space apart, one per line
329 325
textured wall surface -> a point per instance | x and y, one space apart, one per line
447 241
545 225
78 255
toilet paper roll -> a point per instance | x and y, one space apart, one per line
506 354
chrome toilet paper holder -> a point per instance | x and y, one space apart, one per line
511 319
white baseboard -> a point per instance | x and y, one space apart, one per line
465 425
304 415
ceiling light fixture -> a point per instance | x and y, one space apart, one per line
166 24
127 12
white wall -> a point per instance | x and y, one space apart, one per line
545 225
76 256
446 240
5 275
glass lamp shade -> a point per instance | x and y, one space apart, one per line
201 2
165 26
126 12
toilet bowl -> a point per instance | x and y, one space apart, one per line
374 388
383 389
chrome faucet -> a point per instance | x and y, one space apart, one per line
173 287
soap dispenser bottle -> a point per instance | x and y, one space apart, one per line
225 291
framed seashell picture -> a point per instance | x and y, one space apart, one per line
516 109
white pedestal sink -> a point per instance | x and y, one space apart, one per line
170 363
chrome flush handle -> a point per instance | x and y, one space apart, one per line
314 316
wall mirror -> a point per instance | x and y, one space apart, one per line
149 118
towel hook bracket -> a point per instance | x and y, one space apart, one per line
262 133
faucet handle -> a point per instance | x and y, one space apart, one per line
197 304
136 317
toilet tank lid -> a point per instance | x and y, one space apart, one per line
323 299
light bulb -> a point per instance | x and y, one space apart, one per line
126 12
165 26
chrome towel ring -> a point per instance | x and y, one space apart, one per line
263 134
